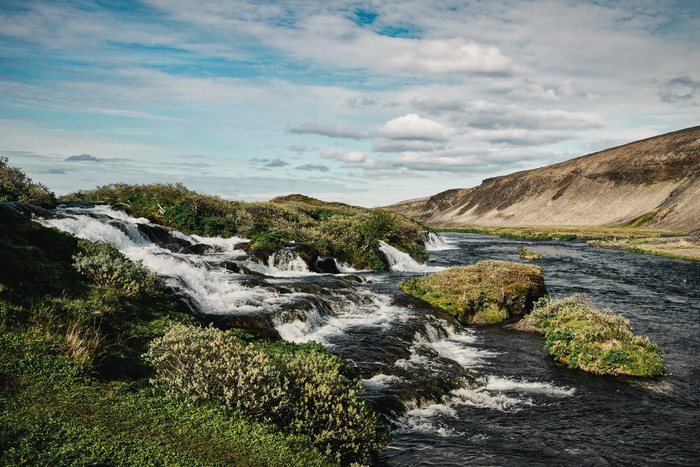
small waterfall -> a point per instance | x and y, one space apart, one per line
435 242
399 261
287 260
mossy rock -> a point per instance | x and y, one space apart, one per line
488 292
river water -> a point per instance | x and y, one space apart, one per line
455 396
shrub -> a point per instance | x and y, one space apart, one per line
595 341
105 266
16 186
304 391
209 364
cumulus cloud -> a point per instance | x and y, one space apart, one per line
680 90
326 130
451 56
412 126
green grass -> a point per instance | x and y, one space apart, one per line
597 342
488 292
75 321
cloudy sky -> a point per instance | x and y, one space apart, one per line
365 102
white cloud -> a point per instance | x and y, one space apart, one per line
412 126
532 91
451 56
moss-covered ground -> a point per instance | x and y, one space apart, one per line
488 292
598 342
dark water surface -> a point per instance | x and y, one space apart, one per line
535 413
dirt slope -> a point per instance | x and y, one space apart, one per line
657 177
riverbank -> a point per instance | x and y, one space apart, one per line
624 238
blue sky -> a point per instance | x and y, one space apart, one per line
364 102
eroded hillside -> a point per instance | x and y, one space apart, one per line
656 181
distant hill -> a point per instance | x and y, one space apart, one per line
653 182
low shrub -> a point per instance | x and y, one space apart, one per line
304 391
598 342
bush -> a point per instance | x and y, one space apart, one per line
105 266
595 341
304 391
16 186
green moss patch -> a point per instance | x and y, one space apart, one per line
488 292
598 342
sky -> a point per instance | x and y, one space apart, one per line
363 102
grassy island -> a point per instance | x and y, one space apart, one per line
488 292
598 342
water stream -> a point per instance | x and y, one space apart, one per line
456 396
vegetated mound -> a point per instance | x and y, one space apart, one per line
653 182
598 342
348 233
487 292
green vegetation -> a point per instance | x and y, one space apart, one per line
305 389
525 233
337 230
16 186
76 319
525 254
683 248
597 342
488 292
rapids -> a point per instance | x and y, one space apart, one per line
452 395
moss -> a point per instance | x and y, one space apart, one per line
488 292
525 254
597 342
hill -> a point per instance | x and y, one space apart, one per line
654 182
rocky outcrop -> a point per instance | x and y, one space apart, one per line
655 181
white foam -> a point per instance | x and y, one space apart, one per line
435 242
402 262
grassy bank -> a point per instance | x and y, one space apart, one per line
675 247
337 230
598 342
76 322
488 292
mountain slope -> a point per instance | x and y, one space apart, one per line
657 179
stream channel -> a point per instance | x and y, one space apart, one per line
456 396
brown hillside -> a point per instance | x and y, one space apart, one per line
657 177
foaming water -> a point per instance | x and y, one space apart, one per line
402 262
436 242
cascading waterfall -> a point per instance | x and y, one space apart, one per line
414 360
399 261
436 242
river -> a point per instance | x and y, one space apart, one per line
455 396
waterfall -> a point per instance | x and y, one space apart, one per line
287 259
399 261
435 242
